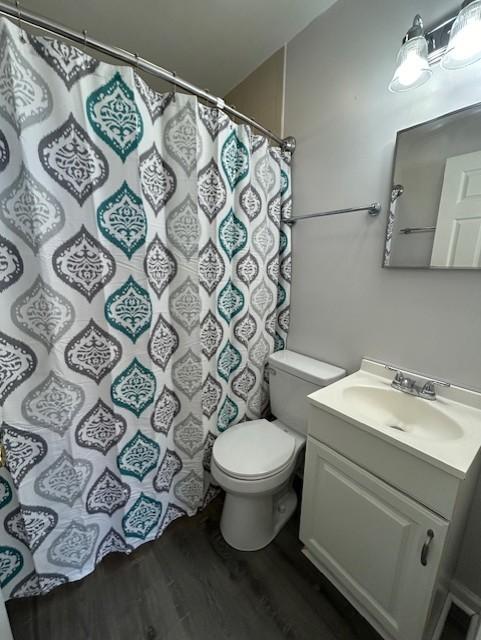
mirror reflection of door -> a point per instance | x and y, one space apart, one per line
457 241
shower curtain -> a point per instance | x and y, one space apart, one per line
144 280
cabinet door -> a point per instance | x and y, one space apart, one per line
369 538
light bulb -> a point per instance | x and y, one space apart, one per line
412 65
464 46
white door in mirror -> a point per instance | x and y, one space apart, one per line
457 241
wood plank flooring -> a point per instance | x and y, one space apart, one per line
190 585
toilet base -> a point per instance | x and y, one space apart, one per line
250 522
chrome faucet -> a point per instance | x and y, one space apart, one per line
402 382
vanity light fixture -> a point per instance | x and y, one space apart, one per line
412 68
464 46
455 42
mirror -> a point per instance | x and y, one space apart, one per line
434 220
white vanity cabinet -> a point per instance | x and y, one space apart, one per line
379 546
381 521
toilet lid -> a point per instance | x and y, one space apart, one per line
253 450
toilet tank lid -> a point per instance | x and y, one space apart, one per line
307 368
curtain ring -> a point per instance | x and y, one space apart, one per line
136 56
19 20
174 86
85 37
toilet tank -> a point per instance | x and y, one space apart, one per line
292 377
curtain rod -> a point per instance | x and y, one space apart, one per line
35 20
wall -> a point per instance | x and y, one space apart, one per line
344 305
261 94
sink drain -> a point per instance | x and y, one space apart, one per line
397 427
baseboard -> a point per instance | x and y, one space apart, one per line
468 600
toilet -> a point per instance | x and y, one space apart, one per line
255 461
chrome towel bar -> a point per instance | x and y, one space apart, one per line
408 230
374 209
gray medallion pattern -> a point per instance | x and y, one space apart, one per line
212 193
108 494
183 228
17 363
100 428
93 352
84 264
43 313
159 265
180 138
169 467
71 158
156 103
112 542
11 264
25 98
74 546
64 480
167 407
158 180
4 152
189 489
29 210
144 274
53 404
69 63
31 525
25 451
34 584
163 342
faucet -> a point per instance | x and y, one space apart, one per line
402 382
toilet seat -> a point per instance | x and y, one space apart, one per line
254 450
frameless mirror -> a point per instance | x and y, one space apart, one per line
434 220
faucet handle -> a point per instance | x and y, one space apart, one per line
399 375
428 392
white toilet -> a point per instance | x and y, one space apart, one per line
254 462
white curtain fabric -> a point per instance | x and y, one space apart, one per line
144 281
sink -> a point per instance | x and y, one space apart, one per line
395 410
446 431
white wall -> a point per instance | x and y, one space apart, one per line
344 305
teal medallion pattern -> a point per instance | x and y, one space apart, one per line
139 456
129 309
145 271
134 388
142 517
235 160
11 563
5 493
115 117
122 220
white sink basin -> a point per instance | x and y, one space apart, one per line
445 431
408 414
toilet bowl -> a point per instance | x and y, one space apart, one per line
255 461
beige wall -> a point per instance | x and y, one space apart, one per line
261 94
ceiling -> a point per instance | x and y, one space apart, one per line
212 43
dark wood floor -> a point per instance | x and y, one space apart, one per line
190 585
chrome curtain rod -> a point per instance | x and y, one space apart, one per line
35 20
373 209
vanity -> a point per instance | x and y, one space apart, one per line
388 482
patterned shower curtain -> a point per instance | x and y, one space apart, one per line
144 280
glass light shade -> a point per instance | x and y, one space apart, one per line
412 66
464 46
